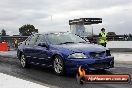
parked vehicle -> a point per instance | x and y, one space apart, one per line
65 52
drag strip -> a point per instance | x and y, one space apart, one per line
46 77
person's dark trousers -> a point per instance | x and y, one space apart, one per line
15 46
103 44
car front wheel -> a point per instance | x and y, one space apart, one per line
58 65
23 61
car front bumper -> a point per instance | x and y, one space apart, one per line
90 64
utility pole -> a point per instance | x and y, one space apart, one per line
92 31
51 18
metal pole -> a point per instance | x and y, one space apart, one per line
51 18
92 30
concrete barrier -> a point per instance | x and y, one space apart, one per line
120 46
4 46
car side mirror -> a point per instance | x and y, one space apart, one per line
43 45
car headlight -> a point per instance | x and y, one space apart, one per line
77 55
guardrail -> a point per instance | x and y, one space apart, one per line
94 38
11 40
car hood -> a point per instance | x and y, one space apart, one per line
81 47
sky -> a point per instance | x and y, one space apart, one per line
54 15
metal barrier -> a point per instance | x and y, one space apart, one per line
93 39
12 39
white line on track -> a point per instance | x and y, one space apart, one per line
7 81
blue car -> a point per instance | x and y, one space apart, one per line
64 52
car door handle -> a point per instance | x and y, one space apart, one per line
41 58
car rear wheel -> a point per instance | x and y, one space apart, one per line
58 65
23 61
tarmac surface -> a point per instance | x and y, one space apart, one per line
46 77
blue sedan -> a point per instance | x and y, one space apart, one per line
64 52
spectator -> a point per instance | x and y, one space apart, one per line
15 42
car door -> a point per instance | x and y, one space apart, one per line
29 48
41 51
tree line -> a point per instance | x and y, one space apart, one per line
25 30
28 29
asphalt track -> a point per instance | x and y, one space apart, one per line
46 77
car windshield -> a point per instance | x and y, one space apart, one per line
64 38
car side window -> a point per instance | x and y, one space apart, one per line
41 39
27 40
32 40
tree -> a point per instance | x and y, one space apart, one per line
27 30
111 34
3 32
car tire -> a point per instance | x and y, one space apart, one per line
23 61
58 65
